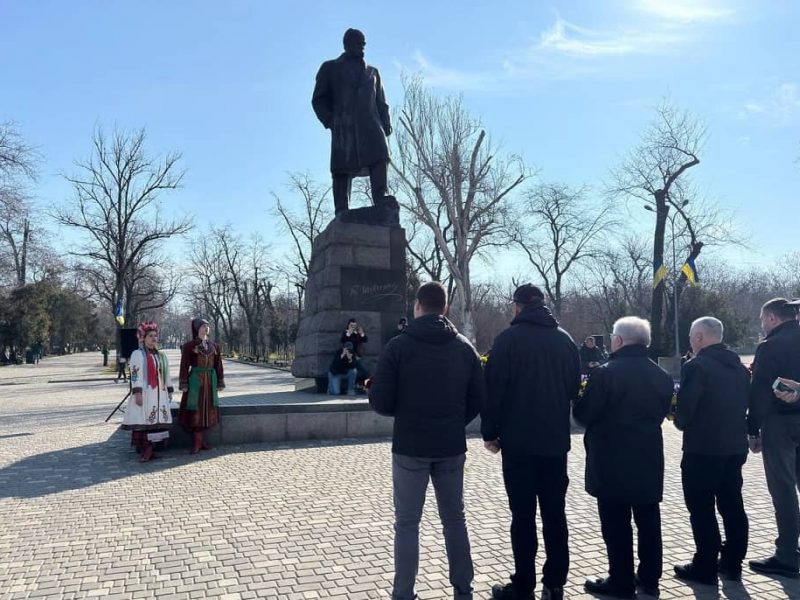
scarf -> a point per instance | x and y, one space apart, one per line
152 370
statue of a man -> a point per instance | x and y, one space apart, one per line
349 100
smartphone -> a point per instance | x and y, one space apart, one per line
779 386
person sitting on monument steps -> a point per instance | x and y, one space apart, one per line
429 379
349 100
343 367
712 413
623 407
354 334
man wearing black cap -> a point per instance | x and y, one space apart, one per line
774 426
533 375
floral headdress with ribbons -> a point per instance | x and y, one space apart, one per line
146 327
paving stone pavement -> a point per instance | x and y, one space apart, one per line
81 518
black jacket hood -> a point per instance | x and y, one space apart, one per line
536 313
721 354
434 329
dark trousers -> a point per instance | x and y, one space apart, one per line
410 477
780 434
121 371
710 480
343 184
542 480
615 523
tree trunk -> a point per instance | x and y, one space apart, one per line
22 275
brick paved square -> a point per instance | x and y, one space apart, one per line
303 521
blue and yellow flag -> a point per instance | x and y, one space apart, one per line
118 314
690 270
659 273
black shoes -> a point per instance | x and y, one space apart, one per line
647 590
772 566
608 588
552 593
689 573
508 592
729 573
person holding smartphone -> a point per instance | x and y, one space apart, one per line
343 368
774 428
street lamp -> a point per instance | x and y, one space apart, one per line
674 267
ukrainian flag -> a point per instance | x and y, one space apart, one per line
690 270
118 314
659 273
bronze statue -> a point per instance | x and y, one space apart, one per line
349 100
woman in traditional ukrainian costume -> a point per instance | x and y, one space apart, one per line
148 414
201 377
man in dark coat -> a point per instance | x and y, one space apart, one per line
533 375
430 380
591 355
712 413
624 405
349 100
774 425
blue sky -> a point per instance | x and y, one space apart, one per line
568 85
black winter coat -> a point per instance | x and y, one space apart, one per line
532 377
429 379
625 403
588 355
777 356
349 100
342 365
712 403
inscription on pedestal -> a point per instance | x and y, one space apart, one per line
373 289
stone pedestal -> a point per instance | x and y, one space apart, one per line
357 271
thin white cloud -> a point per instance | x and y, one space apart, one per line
565 50
686 11
567 38
781 107
449 78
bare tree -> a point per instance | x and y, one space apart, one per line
656 172
212 285
18 159
305 224
450 174
619 280
558 230
248 269
18 167
424 252
116 204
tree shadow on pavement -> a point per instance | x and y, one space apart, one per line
94 464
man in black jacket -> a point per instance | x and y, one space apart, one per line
342 368
712 413
624 405
774 425
533 375
591 355
429 379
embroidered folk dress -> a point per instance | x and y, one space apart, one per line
150 376
201 376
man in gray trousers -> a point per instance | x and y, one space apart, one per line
774 427
429 379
